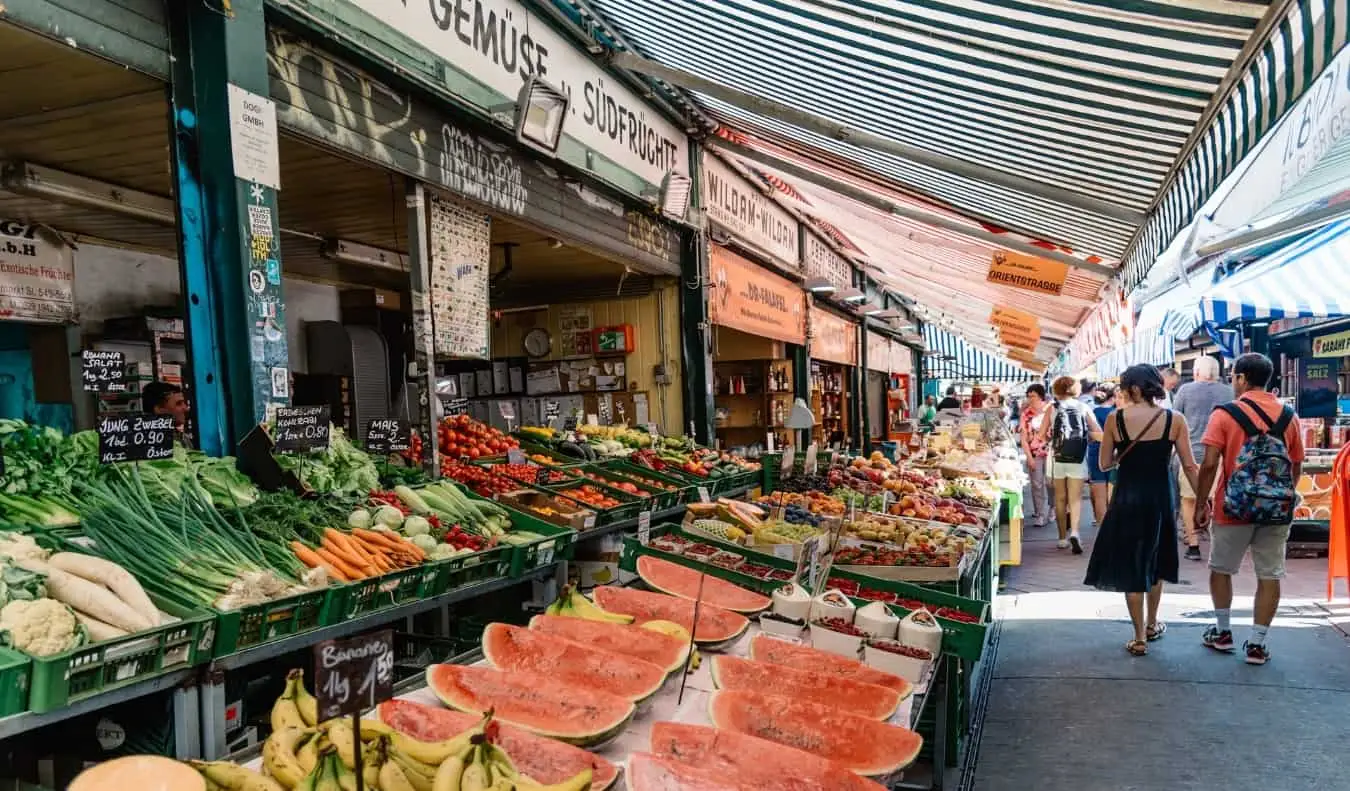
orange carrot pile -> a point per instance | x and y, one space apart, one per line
360 554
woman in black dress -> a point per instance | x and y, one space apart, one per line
1136 549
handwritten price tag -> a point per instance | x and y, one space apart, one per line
644 530
353 675
301 428
134 438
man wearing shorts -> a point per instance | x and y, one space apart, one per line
1230 539
1196 402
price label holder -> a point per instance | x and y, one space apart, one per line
789 456
812 460
592 420
515 456
103 371
134 438
456 406
300 429
644 530
588 522
541 476
546 553
386 435
654 431
703 496
351 676
551 409
783 551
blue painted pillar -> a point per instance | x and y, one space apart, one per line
224 149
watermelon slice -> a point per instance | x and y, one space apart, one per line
715 625
863 745
517 648
545 760
618 638
683 581
540 704
766 765
766 648
854 697
647 772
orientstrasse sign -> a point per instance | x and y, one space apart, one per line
500 44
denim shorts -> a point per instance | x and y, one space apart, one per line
1229 543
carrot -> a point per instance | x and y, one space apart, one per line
378 557
339 564
382 539
341 554
306 555
335 574
344 542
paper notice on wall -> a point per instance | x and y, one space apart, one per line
37 275
460 242
253 137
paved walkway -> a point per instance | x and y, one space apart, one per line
1069 710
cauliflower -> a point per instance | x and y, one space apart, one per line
42 627
416 526
17 546
424 543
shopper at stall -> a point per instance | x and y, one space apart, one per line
1136 550
162 398
1072 429
1196 401
1036 449
976 398
951 401
1171 379
928 415
1104 403
1254 446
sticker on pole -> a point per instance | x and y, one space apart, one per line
351 676
300 429
135 438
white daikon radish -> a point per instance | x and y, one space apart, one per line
110 575
89 598
98 630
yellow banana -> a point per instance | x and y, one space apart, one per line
308 754
431 753
342 738
392 778
581 781
346 778
279 756
475 778
372 729
307 704
585 608
448 775
234 777
330 780
285 714
419 774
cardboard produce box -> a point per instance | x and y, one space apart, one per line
564 513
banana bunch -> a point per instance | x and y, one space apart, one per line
227 776
296 708
574 604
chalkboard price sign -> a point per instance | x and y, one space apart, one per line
301 428
550 412
385 436
134 438
456 406
103 371
353 675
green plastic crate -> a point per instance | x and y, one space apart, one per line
688 492
262 623
16 671
628 509
662 499
382 592
479 567
558 541
70 676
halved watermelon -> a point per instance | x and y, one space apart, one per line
854 697
619 638
683 581
715 625
862 745
766 648
540 704
647 772
543 759
517 648
766 765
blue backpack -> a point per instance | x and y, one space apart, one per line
1261 489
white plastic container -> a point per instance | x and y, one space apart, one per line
909 668
825 639
914 631
792 601
832 604
877 620
779 628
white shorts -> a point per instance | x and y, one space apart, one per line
1229 543
1065 469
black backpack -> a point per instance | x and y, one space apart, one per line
1069 434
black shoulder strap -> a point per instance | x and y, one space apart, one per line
1120 424
1239 416
1282 423
1167 427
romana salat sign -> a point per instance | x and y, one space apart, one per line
500 44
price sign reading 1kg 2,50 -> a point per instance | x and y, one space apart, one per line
385 436
103 371
301 428
134 438
353 675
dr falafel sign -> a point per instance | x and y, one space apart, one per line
749 298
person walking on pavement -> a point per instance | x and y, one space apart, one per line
1032 429
1196 401
1099 480
1072 429
1255 448
1135 551
951 401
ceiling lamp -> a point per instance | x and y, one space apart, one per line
672 199
347 252
850 295
819 285
870 309
800 418
540 110
43 182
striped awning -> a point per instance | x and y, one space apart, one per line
1098 127
1152 349
951 357
1308 279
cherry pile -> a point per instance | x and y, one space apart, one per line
892 647
956 615
841 626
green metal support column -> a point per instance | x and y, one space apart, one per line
228 233
865 438
801 386
695 329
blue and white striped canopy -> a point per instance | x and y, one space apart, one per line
954 358
1310 278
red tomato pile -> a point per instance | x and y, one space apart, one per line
459 539
529 473
480 479
414 451
622 486
592 496
463 437
956 615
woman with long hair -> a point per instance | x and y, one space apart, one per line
1031 424
1136 547
1071 429
1104 403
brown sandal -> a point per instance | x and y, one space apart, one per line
1156 631
1137 648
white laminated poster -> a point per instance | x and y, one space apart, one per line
460 240
812 460
253 138
789 456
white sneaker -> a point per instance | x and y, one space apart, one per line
1063 544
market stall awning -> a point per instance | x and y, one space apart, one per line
1097 127
950 357
1307 279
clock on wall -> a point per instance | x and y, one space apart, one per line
538 342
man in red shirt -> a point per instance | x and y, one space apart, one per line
1230 538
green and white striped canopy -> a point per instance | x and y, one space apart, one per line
1144 104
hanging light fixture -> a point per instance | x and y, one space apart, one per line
819 285
540 111
800 418
850 295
